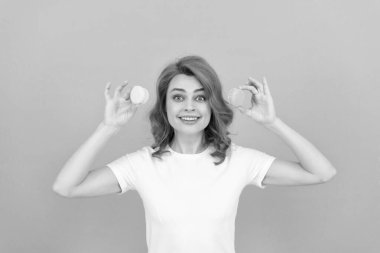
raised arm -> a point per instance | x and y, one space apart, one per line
75 178
312 166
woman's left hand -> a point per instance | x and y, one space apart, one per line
262 109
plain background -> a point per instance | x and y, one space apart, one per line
321 60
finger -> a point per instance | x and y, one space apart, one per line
124 101
250 88
127 95
257 84
107 93
228 102
119 89
266 87
242 110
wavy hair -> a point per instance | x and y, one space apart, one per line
216 133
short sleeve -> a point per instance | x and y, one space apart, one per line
126 168
124 173
260 163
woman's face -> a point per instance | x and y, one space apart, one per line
186 97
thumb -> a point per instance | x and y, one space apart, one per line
242 110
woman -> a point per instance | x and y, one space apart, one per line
191 178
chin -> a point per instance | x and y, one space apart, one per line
190 129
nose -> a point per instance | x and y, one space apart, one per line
189 105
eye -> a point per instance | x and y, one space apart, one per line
176 96
201 98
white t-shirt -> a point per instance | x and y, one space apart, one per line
190 203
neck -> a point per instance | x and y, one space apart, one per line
189 145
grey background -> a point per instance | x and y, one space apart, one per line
321 60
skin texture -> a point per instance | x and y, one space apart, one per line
188 138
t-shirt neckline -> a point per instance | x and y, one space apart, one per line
204 152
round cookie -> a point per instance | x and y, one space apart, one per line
139 95
235 96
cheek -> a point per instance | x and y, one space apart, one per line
207 114
171 110
208 110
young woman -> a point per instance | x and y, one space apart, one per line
191 178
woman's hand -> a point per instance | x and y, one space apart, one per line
119 108
262 109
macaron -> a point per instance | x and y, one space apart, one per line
139 95
235 97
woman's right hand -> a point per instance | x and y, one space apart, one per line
119 108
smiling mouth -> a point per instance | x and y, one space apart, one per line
189 118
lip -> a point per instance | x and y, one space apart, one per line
183 120
189 122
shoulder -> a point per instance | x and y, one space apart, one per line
238 149
143 152
241 152
138 158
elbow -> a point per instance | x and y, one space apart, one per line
332 173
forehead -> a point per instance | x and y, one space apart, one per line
185 82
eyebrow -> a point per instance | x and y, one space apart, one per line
178 89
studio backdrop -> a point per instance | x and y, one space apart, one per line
320 59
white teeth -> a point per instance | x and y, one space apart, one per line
188 118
